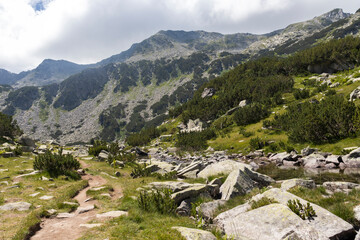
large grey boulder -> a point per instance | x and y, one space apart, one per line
314 161
172 185
340 186
352 160
287 184
208 209
224 167
184 209
274 221
355 94
25 140
191 170
307 151
194 191
19 206
208 92
160 167
237 183
195 234
103 155
325 222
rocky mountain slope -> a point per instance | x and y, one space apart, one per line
136 88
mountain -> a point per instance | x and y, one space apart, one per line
48 72
172 44
136 88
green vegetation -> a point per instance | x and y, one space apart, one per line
57 164
332 119
303 211
157 201
8 126
143 137
194 141
22 98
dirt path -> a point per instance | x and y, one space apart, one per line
69 228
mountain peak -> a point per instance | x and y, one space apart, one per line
334 15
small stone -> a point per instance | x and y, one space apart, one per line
85 209
40 188
44 178
70 203
4 183
112 214
52 211
19 206
118 174
34 194
90 225
89 199
45 197
105 195
65 215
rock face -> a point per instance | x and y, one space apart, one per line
19 206
195 234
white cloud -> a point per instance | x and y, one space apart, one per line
87 31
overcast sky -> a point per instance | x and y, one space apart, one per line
87 31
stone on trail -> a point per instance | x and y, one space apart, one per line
65 215
19 206
34 194
112 214
195 234
90 225
85 209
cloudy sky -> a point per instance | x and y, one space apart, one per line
86 31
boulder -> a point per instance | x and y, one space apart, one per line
207 210
19 206
244 103
287 184
340 186
195 234
112 214
237 183
314 161
335 159
325 222
172 185
223 167
274 221
103 155
352 160
208 92
357 212
194 168
184 209
307 151
27 141
194 191
355 94
140 152
160 167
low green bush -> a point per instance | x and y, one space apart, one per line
194 141
57 164
157 201
303 211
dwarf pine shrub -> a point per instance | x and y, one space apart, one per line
303 211
157 201
57 164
